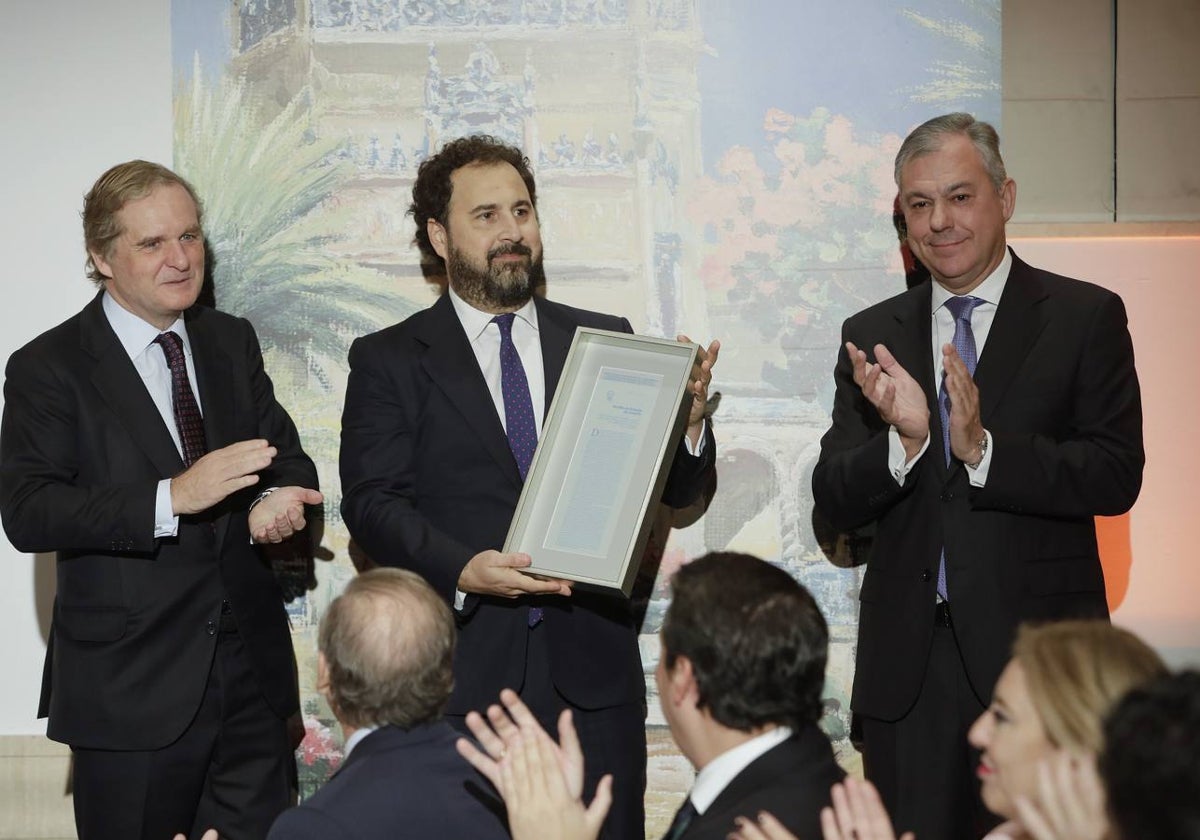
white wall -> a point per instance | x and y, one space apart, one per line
86 85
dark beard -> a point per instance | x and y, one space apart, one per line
500 287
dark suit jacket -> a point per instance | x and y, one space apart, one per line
1060 396
396 784
428 481
792 781
81 453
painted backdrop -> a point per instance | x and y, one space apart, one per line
720 169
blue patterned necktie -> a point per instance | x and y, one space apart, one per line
188 422
518 405
964 344
519 424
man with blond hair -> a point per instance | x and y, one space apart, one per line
143 444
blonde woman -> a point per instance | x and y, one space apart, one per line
1038 739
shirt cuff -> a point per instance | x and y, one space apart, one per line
978 476
460 599
897 465
699 448
166 523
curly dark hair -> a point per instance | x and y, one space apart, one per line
755 638
388 642
1151 760
431 191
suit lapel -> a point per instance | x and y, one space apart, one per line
912 345
556 334
1019 321
451 365
213 369
124 392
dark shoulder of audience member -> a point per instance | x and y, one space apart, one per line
1151 760
755 637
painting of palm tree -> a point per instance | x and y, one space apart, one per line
266 187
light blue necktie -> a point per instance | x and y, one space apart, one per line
964 343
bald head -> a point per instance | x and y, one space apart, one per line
388 646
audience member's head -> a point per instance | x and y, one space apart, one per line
1151 760
1053 695
121 184
386 651
747 641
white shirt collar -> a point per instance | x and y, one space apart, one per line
988 291
135 334
356 739
723 769
475 321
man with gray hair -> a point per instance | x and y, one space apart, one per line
385 667
980 422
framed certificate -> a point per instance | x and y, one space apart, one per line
606 448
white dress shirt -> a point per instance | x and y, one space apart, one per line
484 335
137 337
942 333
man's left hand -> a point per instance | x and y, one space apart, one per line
281 513
701 378
966 429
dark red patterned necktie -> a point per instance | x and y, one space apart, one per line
188 421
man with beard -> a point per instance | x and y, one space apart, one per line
437 435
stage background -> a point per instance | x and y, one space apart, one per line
703 168
736 202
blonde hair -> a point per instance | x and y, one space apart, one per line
1076 671
121 184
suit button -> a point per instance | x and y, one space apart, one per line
211 628
948 496
926 574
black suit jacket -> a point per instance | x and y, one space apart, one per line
428 481
791 780
135 618
1059 394
399 783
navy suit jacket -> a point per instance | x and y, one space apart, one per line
82 450
399 783
428 481
1059 394
791 780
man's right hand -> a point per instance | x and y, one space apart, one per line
494 573
897 397
219 474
